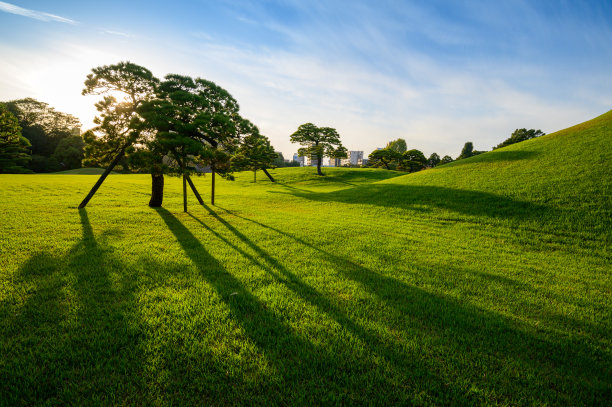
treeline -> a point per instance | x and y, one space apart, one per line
396 156
48 140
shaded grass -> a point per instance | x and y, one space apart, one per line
361 287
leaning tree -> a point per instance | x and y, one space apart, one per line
119 125
255 153
318 142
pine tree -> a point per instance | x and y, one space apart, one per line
14 152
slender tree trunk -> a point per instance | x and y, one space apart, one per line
255 176
319 159
184 193
268 174
157 189
212 195
102 178
195 191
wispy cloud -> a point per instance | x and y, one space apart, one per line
37 15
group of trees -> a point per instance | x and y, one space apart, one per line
175 126
396 156
54 137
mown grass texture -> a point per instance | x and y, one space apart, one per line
486 281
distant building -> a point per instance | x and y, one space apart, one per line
299 159
354 159
335 162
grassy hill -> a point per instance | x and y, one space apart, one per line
486 281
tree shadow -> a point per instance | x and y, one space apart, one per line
424 198
73 337
309 373
549 368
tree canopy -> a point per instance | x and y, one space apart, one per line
255 153
519 135
385 157
412 161
433 160
14 152
398 145
318 142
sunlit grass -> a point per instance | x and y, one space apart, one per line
482 282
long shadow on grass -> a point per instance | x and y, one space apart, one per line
308 373
71 341
423 198
396 358
475 353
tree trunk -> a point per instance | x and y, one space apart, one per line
255 176
319 159
184 193
157 190
102 178
212 195
195 191
268 174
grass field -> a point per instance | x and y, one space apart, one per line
485 281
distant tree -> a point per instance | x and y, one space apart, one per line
42 125
14 153
318 142
446 159
279 161
384 158
69 152
433 160
398 145
467 151
520 135
119 126
255 153
412 161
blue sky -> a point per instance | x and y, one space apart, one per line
437 73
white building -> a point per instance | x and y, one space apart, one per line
354 158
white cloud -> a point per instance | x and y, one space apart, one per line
37 15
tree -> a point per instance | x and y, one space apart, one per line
384 158
433 160
255 153
520 135
412 161
119 125
318 142
446 159
42 125
196 123
398 145
69 152
467 151
14 152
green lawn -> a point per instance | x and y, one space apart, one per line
486 281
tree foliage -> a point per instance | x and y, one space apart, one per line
42 125
433 160
412 161
255 153
467 151
520 135
446 159
69 152
398 145
119 126
318 142
14 152
385 157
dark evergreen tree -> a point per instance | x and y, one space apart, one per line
14 148
319 142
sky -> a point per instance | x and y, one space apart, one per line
436 73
